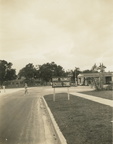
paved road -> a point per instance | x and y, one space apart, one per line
23 119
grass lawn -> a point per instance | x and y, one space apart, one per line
82 121
102 94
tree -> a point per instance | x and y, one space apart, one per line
101 68
76 73
6 72
101 77
29 72
94 68
49 70
98 82
11 74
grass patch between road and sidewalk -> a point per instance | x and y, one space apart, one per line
101 94
81 121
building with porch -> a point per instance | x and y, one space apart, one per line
85 78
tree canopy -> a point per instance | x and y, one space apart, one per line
42 72
29 71
45 72
49 70
6 71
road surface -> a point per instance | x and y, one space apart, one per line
24 120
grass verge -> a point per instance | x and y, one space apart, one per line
101 94
82 121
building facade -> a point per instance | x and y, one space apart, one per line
85 78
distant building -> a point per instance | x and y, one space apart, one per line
85 78
20 83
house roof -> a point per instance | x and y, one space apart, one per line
94 74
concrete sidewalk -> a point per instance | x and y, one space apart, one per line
76 91
93 98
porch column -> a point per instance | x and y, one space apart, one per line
79 81
82 80
112 77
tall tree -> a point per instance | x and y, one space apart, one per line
101 68
94 68
29 71
6 71
11 74
76 73
49 70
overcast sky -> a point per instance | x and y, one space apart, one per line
72 33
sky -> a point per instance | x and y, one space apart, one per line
71 33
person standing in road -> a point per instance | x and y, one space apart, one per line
4 88
26 90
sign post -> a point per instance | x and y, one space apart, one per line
61 82
54 94
68 93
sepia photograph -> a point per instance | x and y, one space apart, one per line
56 71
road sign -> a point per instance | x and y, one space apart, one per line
65 79
66 84
57 84
55 79
61 82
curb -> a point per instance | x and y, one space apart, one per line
59 134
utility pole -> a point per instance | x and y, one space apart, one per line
75 76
